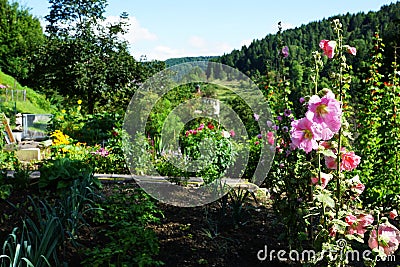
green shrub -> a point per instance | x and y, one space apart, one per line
60 173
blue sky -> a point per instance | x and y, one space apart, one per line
165 29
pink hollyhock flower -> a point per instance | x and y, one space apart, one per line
305 134
349 161
325 110
360 225
285 51
328 47
352 50
326 133
325 178
270 137
393 214
386 238
350 219
232 133
201 127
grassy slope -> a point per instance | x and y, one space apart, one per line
35 103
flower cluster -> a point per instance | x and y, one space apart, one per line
101 152
329 48
322 121
210 126
59 138
348 160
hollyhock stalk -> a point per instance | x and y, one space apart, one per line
338 182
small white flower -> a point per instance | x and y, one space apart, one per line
226 134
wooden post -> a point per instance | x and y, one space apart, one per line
7 128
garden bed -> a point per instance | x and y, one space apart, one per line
210 235
187 236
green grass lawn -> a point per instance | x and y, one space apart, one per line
35 103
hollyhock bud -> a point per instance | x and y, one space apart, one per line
352 50
393 214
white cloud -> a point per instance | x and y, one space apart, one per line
203 47
193 47
136 32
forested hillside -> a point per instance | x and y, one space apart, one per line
174 61
263 55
